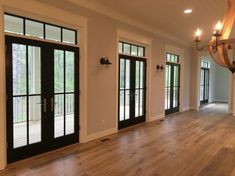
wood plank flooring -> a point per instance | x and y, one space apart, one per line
193 143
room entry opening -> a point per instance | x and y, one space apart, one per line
204 82
172 87
42 79
132 85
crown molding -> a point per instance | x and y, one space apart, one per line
97 7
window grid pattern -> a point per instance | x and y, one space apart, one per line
37 29
205 64
173 58
131 49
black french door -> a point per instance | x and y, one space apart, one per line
42 96
204 85
132 90
172 88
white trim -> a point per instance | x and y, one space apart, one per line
40 39
198 77
97 7
42 12
100 134
137 39
195 108
186 108
157 118
220 100
180 52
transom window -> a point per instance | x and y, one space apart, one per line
172 58
205 64
33 28
130 49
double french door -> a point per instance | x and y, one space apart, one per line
42 96
132 90
172 88
204 85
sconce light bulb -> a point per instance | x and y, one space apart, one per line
218 26
198 32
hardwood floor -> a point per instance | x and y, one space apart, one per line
193 143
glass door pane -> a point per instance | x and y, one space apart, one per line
176 87
204 85
26 76
64 93
168 87
124 89
139 89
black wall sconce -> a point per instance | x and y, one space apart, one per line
160 67
105 61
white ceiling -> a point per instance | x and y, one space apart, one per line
164 16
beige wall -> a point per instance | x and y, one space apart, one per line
101 80
102 41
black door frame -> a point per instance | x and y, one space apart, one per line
172 109
205 99
48 142
133 120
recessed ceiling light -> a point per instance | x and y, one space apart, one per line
188 11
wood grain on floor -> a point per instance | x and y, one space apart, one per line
192 143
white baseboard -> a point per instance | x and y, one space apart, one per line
220 100
195 108
99 135
157 117
186 108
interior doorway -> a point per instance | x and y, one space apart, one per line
214 83
204 82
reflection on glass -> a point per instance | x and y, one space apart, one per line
122 73
168 87
19 69
69 114
127 49
69 36
140 51
20 122
134 50
13 24
34 119
127 76
70 72
59 116
34 29
137 103
59 71
53 33
141 102
141 74
121 106
34 70
137 74
127 106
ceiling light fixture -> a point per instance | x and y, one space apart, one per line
188 11
220 42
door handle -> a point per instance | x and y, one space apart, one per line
132 96
44 104
52 104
